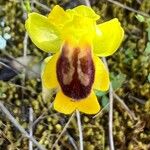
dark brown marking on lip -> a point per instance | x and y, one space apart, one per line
75 73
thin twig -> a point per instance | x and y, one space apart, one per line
41 116
25 43
30 127
80 129
42 5
141 101
86 2
130 113
72 141
32 4
19 86
18 126
62 132
129 8
111 139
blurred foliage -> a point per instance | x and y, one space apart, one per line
117 80
130 75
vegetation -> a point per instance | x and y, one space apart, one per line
21 90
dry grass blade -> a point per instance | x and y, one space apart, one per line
25 43
42 115
18 126
86 2
130 113
72 141
141 101
42 5
19 86
64 129
129 8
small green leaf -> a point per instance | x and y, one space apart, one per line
130 53
118 80
140 18
1 93
105 101
148 31
100 93
26 6
148 78
147 49
148 22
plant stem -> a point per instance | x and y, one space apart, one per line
80 129
30 127
111 139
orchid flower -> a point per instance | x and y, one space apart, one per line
77 42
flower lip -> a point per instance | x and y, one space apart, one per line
75 71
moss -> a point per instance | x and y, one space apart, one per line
130 60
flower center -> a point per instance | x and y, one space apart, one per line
75 72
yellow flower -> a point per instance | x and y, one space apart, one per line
75 70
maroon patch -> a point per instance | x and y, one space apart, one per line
75 72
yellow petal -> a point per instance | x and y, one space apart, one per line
64 104
89 105
101 81
86 11
109 36
67 105
49 77
58 16
79 28
43 34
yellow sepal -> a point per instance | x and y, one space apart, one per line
101 81
109 36
42 33
49 77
